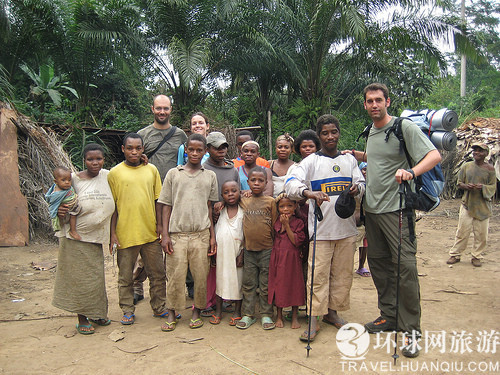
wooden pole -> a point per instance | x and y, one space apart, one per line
463 64
269 136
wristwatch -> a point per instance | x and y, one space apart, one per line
412 173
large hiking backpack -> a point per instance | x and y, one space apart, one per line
428 186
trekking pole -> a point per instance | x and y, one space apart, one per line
401 193
318 216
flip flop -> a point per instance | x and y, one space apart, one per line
130 319
168 326
207 313
363 272
227 307
245 322
162 315
165 314
233 321
80 326
303 337
101 322
215 319
338 324
197 323
267 320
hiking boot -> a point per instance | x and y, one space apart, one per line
476 262
410 348
453 260
380 325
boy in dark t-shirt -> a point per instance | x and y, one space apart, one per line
260 213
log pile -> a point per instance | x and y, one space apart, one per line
485 130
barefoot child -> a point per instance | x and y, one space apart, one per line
286 280
229 235
188 235
259 216
61 192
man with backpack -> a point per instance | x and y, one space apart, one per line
389 168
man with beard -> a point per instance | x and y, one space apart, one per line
165 158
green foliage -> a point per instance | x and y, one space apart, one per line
75 141
303 115
46 85
6 89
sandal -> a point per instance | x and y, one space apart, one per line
101 322
168 326
338 324
207 313
227 307
165 314
304 335
85 332
127 319
233 321
245 322
197 323
363 272
215 319
267 323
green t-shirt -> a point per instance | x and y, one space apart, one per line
384 159
166 157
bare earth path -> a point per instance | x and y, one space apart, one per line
460 314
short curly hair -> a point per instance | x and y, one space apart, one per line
306 135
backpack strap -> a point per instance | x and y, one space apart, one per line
166 138
364 133
396 128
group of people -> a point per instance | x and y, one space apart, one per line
242 228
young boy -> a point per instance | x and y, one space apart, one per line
477 179
188 235
136 226
322 177
61 192
260 213
224 169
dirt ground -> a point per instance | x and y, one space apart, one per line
461 302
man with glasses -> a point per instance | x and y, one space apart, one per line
161 143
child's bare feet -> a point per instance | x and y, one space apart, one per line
75 235
279 323
295 317
295 324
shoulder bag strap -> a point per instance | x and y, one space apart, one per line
166 138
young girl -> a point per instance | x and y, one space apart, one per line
286 280
229 235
